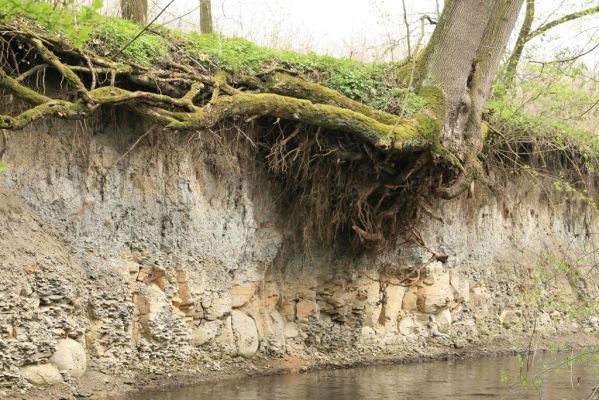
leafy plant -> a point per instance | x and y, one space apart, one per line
113 34
72 22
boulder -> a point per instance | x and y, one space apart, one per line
272 331
70 357
409 302
395 295
368 332
246 334
241 294
436 292
225 339
407 326
290 330
205 332
444 320
42 374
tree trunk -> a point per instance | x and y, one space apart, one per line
135 10
512 64
459 66
205 16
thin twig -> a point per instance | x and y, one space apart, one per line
144 29
134 144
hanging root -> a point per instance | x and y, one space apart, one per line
336 186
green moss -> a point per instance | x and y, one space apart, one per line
370 83
435 100
429 127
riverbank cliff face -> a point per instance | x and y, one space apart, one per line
167 257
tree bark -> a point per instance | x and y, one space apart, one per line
135 10
461 61
459 66
206 16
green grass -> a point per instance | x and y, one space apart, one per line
112 34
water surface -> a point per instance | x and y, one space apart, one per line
478 378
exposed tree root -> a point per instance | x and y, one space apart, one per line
291 99
346 169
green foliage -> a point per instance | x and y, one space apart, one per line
2 166
552 100
375 84
73 25
370 83
543 128
113 34
501 113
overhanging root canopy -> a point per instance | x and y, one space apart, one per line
354 169
171 97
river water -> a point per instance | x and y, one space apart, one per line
476 378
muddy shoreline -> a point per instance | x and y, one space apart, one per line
95 385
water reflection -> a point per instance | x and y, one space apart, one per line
466 379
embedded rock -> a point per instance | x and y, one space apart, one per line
407 326
70 357
42 374
246 334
